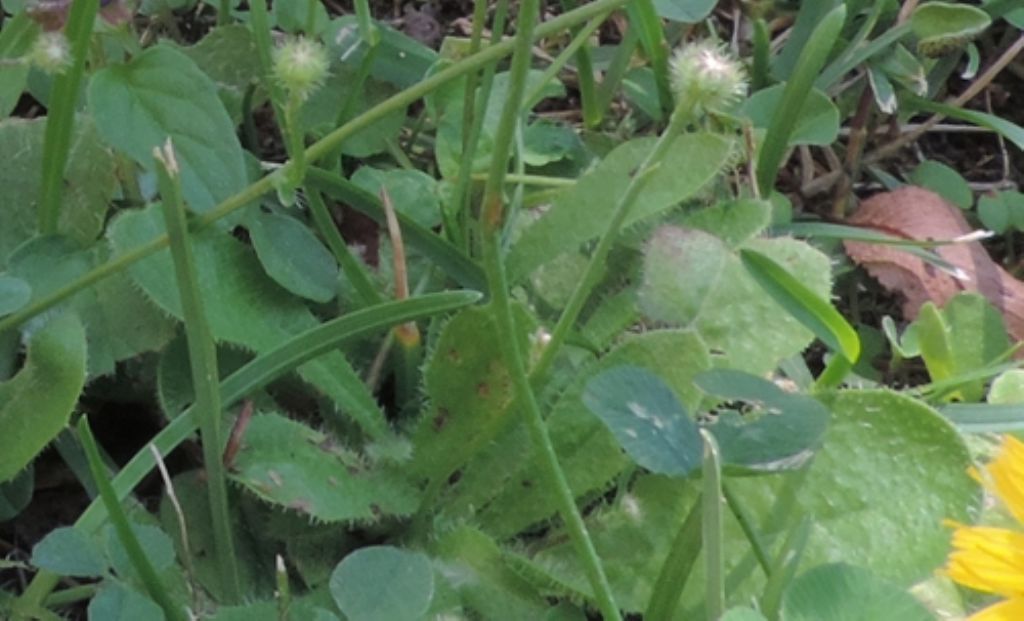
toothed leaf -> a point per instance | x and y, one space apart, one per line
243 306
288 464
581 213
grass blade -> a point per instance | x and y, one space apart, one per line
203 360
60 117
814 313
682 556
711 529
150 580
812 58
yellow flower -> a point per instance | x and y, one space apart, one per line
992 559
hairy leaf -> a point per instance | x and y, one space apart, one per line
37 402
290 465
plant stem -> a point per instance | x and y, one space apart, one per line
351 266
679 561
492 220
150 580
60 118
711 529
604 245
203 358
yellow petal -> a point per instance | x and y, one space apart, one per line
988 559
1009 610
1006 472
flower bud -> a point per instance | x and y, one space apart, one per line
705 77
50 52
301 66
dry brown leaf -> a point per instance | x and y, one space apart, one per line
915 213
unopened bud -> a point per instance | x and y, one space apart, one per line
50 52
706 77
301 66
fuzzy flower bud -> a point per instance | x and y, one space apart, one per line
301 66
706 77
50 52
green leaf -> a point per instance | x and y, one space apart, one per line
226 55
398 59
383 583
773 430
293 256
470 388
504 480
162 94
89 183
966 336
890 470
580 213
546 141
254 567
993 213
67 551
320 112
742 614
117 602
841 592
412 192
36 404
686 11
119 321
292 16
646 418
16 493
1007 388
493 589
158 546
692 279
286 463
1007 129
817 124
944 27
944 181
985 418
814 312
821 38
243 307
16 39
14 293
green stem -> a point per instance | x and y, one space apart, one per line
644 17
398 101
60 118
351 266
604 245
71 595
589 101
711 529
203 359
147 573
575 46
677 566
492 215
747 526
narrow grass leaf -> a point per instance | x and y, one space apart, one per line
798 87
711 529
139 560
813 312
